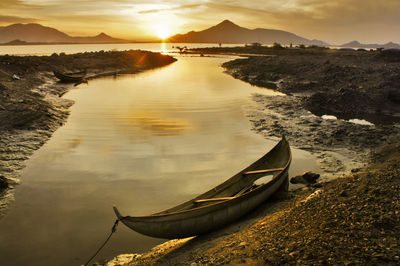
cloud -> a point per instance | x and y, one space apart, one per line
178 8
333 20
17 5
10 3
91 19
352 10
116 26
308 11
343 20
15 19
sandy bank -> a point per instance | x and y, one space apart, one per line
31 107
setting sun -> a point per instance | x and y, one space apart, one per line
162 32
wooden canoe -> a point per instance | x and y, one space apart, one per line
220 205
70 77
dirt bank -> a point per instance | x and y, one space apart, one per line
347 84
31 107
340 145
353 219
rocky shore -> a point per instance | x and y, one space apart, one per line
338 104
31 107
342 106
347 84
353 220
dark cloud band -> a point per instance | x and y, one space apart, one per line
15 19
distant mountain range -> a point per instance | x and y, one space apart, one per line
224 32
356 44
229 32
36 33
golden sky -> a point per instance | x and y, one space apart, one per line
333 21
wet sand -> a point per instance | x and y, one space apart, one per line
351 216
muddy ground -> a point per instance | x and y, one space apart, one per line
351 217
354 86
31 107
347 84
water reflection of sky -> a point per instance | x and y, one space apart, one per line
81 48
147 122
142 142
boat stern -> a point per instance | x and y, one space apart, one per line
117 213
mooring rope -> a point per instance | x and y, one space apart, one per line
113 229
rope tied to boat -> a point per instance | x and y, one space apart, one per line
113 230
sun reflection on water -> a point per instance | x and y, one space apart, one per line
155 124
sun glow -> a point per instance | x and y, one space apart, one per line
162 32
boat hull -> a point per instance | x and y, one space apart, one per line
187 219
71 78
181 227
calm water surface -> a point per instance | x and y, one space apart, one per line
80 48
141 142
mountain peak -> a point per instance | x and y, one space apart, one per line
229 32
34 32
25 25
227 23
102 34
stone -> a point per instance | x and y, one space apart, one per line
3 182
394 96
242 244
306 178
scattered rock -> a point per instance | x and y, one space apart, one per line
394 96
3 183
242 244
306 178
355 170
312 196
351 85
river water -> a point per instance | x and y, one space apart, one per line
141 142
81 48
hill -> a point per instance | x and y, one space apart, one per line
229 32
36 33
356 44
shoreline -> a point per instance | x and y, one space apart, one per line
32 108
329 103
301 229
349 217
330 224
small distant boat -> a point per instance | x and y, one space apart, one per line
220 205
70 77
